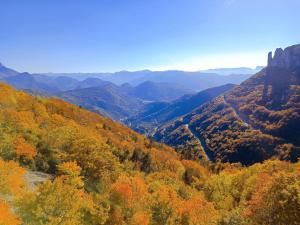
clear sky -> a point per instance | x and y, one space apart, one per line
112 35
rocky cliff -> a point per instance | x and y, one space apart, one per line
282 71
289 58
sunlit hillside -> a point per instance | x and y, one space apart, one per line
104 173
253 122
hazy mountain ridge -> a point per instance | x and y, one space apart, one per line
151 91
6 72
196 81
230 71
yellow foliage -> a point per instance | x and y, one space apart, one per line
70 173
54 203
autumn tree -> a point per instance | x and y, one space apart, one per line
11 178
6 215
55 203
197 211
23 149
69 172
280 202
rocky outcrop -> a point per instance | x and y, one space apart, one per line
289 58
282 71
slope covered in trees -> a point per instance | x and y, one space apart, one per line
158 113
255 121
105 173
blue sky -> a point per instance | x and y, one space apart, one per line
112 35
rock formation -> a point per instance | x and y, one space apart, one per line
283 70
289 58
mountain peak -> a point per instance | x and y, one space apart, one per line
289 58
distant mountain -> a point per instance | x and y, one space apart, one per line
151 91
158 113
119 102
49 85
91 82
255 121
195 81
108 100
26 81
117 77
6 72
62 83
230 71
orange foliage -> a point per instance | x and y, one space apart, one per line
140 218
6 215
262 184
197 211
22 148
122 192
11 177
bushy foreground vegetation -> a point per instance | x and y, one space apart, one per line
104 173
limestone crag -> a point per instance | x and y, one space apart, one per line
282 71
289 58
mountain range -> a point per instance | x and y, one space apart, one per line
247 123
123 94
230 71
195 81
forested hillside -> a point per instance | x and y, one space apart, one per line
105 173
255 121
156 114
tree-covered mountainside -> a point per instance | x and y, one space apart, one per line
108 100
255 121
156 114
105 173
119 102
155 91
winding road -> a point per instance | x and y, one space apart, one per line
207 152
243 118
